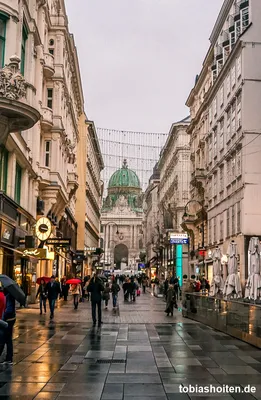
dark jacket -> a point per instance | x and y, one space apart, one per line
115 288
53 290
41 291
95 287
10 312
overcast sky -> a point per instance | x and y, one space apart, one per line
139 58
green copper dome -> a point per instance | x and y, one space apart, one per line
124 177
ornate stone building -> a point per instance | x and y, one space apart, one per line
38 159
121 220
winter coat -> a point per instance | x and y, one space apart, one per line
53 290
96 288
115 288
76 289
106 293
10 312
41 291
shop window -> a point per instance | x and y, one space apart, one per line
23 49
18 182
3 21
3 168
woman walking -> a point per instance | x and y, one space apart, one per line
9 316
171 300
106 294
43 296
76 291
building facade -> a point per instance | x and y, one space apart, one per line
38 159
225 134
121 221
174 170
89 194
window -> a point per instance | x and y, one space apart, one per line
214 75
221 134
51 51
215 143
215 184
210 231
221 95
228 172
228 124
226 52
210 114
50 98
221 227
3 20
238 64
228 223
233 118
233 76
238 217
238 164
210 149
233 221
238 29
239 111
219 65
232 39
210 188
228 85
221 179
3 168
233 168
214 229
23 49
18 181
245 18
215 106
47 155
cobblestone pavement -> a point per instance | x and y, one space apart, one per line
139 353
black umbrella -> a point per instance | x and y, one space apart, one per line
12 287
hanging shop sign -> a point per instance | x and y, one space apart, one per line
59 242
37 253
7 233
178 238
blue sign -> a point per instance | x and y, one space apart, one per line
141 266
179 241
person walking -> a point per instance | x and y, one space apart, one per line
176 287
115 288
96 288
144 284
65 288
166 286
43 296
76 291
106 295
171 300
53 290
9 316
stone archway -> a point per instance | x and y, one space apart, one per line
121 253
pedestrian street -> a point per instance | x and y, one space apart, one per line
139 353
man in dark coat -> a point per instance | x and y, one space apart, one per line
53 290
96 288
65 288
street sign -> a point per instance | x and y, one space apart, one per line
59 242
179 241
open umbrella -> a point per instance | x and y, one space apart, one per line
253 286
45 278
232 284
217 283
12 287
74 281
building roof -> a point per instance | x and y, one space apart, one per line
124 177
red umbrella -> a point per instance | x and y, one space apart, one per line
46 279
74 281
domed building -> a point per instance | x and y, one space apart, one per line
121 220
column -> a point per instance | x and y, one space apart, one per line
25 194
11 175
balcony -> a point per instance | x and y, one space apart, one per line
198 178
48 67
72 183
47 118
16 114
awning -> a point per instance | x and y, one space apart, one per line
30 258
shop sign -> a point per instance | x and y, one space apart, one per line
59 242
37 253
178 238
7 233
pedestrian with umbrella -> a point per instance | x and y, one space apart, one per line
43 295
53 290
76 290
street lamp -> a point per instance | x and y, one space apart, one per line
202 229
104 236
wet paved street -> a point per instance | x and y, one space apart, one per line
138 354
